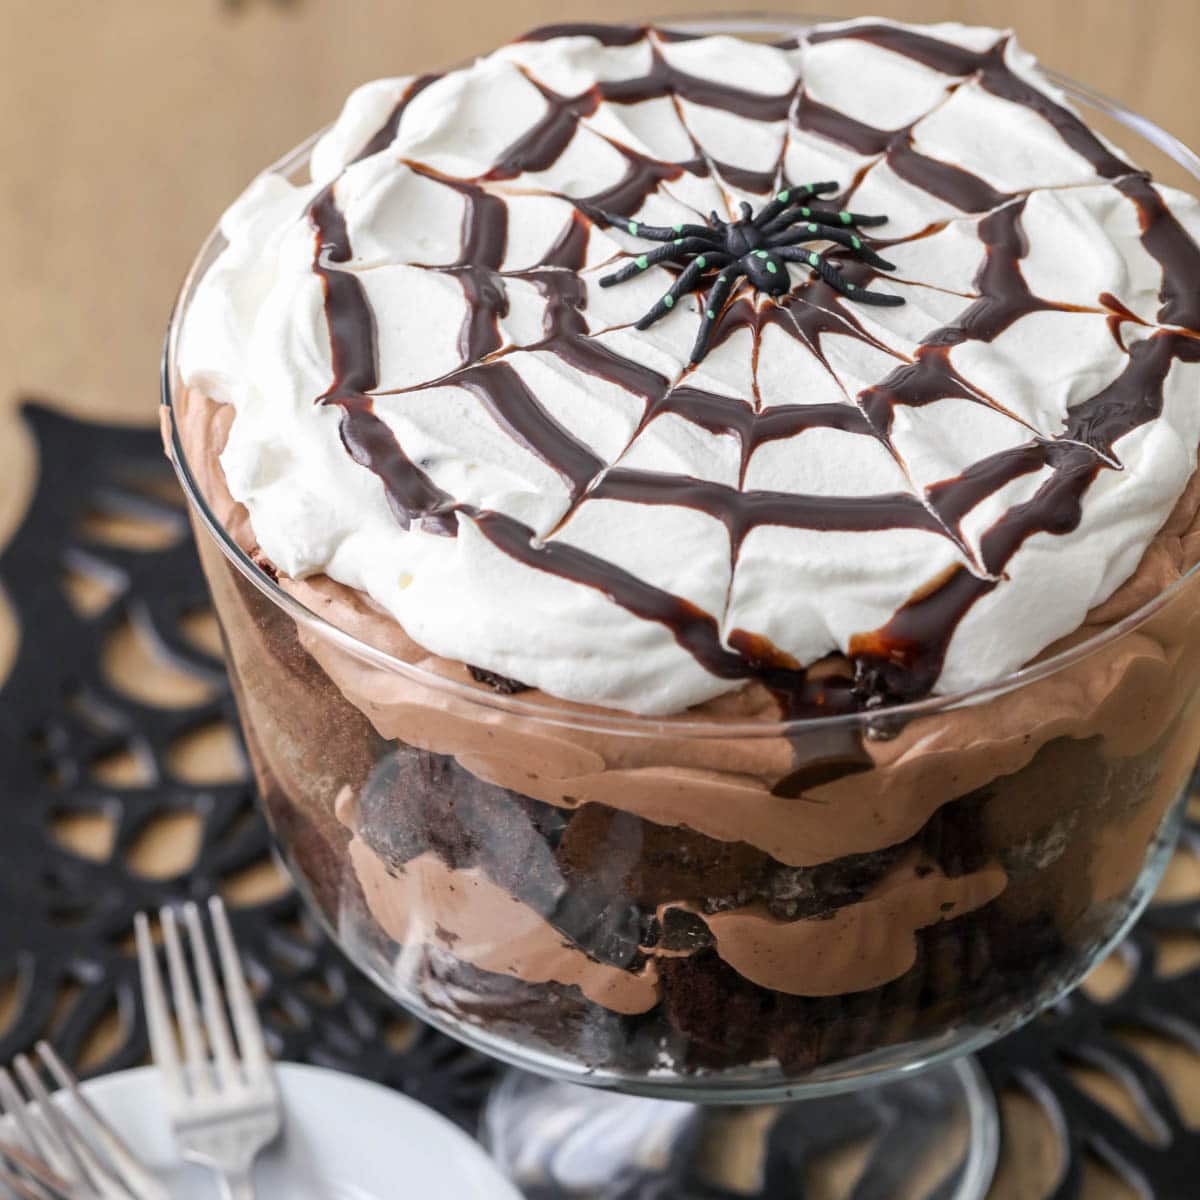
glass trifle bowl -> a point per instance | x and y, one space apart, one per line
746 901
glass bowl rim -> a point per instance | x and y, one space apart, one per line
591 717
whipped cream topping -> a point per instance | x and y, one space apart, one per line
438 405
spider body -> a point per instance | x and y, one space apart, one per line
757 247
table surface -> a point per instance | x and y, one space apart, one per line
125 126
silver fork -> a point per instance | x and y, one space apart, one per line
224 1105
51 1156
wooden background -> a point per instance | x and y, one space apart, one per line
126 126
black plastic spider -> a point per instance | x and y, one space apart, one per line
756 247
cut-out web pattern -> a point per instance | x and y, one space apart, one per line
973 526
110 808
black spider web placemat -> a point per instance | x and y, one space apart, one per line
116 678
103 569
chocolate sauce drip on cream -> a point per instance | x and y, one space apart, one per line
944 180
1170 245
903 659
606 35
1004 298
664 80
724 414
693 628
386 133
412 495
743 511
541 146
516 410
414 498
994 74
477 268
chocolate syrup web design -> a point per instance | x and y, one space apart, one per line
901 660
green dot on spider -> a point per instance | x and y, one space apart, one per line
812 258
642 262
677 228
712 316
806 212
633 228
702 262
669 300
846 218
812 229
783 197
771 267
856 243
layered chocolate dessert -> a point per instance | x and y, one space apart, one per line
703 530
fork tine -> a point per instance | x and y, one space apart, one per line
158 1020
241 1003
66 1142
219 1037
24 1191
133 1173
194 1050
35 1135
47 1185
35 1176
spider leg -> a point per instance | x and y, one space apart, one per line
815 231
686 282
643 262
654 233
713 303
842 217
836 279
747 210
826 216
792 197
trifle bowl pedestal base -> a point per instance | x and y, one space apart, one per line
932 1135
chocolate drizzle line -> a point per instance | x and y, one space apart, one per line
946 181
1170 245
386 134
743 511
413 497
606 35
904 658
516 410
994 74
901 660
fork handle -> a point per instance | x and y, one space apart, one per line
236 1185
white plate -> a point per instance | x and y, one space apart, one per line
343 1139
